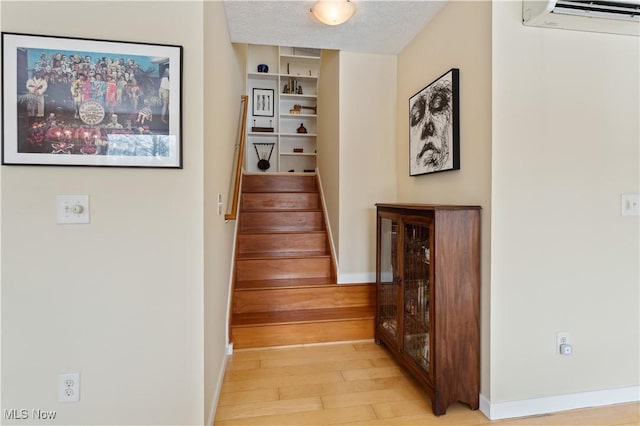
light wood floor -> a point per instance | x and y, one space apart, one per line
356 384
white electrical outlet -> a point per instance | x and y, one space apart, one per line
69 387
563 344
566 349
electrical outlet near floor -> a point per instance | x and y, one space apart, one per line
563 344
69 387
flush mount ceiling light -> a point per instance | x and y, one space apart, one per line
333 12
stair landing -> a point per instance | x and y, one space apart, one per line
263 329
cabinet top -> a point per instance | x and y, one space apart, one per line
408 206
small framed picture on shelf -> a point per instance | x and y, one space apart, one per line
263 102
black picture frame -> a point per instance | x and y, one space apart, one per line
434 126
263 102
88 102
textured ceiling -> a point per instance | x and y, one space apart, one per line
378 26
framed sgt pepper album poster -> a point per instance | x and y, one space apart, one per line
84 102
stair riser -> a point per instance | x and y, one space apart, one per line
270 269
294 334
281 243
288 299
264 183
280 201
281 221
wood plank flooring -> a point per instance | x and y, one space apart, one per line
356 384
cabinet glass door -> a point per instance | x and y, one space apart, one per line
388 280
416 285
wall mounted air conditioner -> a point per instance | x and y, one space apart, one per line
615 17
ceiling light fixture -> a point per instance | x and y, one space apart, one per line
333 12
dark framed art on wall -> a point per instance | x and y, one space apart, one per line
434 126
85 102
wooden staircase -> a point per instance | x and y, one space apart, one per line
285 289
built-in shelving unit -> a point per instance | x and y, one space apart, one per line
273 129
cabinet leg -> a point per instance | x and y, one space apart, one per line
437 406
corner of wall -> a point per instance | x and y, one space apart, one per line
216 394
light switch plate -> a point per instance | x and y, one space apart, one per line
72 209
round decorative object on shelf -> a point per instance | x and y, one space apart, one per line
263 164
302 129
263 68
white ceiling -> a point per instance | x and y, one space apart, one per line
378 26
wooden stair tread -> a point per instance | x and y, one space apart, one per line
279 183
276 191
251 319
283 255
284 283
282 231
278 210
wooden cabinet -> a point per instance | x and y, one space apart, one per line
428 296
282 131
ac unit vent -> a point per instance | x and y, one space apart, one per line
599 9
616 17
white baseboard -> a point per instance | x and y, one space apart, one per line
552 404
216 394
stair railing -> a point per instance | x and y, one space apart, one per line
236 172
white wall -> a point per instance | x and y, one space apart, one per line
565 146
367 157
458 37
119 300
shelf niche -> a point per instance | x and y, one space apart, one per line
293 74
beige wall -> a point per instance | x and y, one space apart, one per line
147 287
458 37
223 84
328 141
367 157
122 300
566 130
